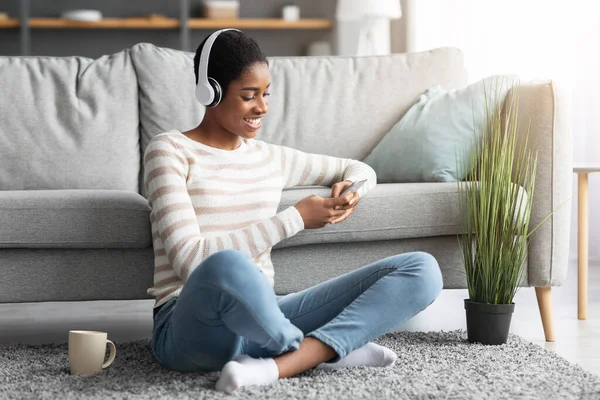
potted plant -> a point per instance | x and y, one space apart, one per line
495 205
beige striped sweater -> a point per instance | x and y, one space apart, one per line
205 199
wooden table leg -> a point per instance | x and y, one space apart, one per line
582 246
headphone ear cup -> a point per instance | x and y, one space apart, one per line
218 92
205 94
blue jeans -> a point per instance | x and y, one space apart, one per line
228 308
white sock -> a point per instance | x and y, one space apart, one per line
247 371
370 355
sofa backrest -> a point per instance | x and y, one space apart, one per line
69 123
341 106
74 122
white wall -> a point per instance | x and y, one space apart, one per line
535 39
586 113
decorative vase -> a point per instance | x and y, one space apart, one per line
488 323
290 12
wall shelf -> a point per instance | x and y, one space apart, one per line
8 23
169 23
107 23
184 24
269 23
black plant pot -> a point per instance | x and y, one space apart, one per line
488 323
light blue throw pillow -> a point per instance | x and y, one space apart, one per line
423 146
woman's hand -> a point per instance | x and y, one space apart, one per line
348 207
317 212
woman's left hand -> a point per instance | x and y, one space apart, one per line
338 188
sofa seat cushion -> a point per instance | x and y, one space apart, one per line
388 212
74 219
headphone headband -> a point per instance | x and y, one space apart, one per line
205 92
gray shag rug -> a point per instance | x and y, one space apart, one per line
433 365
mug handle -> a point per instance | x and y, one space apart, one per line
113 353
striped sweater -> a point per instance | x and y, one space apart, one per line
205 199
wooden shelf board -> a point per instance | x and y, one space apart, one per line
106 23
6 23
270 23
170 23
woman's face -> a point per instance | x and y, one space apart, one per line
245 102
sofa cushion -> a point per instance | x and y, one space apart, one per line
69 123
340 106
74 219
390 211
343 106
166 92
434 140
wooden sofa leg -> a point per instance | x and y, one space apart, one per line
544 299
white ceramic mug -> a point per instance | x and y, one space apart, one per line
87 350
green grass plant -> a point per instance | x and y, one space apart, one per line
496 200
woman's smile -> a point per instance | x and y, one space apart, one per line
252 124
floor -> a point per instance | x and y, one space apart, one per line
576 340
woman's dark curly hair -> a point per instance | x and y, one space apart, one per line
231 54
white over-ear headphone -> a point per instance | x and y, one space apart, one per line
208 90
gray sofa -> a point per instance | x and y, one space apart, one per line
75 221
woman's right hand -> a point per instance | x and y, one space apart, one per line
317 211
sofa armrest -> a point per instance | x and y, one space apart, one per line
546 106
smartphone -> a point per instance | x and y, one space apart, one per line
354 187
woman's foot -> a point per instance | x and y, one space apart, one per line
247 371
370 355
